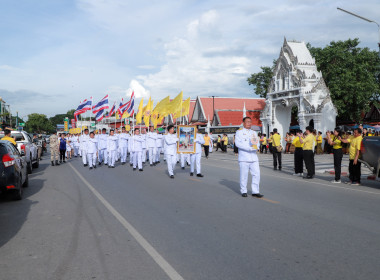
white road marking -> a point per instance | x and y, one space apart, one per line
166 267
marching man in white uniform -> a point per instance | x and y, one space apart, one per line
102 146
185 158
112 149
83 139
123 144
158 147
171 140
196 157
76 145
136 148
92 150
144 147
248 143
151 143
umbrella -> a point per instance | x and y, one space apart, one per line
376 127
294 127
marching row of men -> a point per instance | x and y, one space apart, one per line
107 149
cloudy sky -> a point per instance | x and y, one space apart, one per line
55 53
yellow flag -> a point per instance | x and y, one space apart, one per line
162 108
175 105
147 112
125 115
185 107
139 112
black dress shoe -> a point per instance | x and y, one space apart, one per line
105 163
183 167
95 166
199 175
140 169
258 195
122 163
90 168
191 173
100 163
134 169
130 164
150 164
244 195
113 166
171 176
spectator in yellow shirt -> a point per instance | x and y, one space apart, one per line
354 167
319 143
298 154
336 143
276 143
308 153
206 145
7 137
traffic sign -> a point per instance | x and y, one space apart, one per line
21 124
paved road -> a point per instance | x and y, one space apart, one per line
121 224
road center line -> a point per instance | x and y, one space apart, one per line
166 267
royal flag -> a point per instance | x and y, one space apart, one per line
101 105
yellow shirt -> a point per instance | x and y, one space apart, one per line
315 140
355 146
319 139
10 139
264 141
296 142
207 140
225 139
308 142
276 140
218 139
338 143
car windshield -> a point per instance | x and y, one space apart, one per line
17 135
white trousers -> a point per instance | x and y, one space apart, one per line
171 161
137 160
144 155
112 157
76 151
195 159
254 169
91 159
102 155
185 158
84 156
152 154
158 152
131 157
124 153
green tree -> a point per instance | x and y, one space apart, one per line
261 80
350 74
38 123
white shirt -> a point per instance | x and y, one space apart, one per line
123 140
143 136
76 141
159 140
243 142
92 145
199 140
151 139
171 144
112 143
136 143
102 141
83 141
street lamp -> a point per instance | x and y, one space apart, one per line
366 19
213 107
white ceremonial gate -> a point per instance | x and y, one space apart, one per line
297 82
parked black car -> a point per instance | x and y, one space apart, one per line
14 176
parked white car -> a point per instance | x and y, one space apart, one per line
26 147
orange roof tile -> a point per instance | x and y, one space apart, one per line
227 117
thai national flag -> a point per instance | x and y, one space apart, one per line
83 107
119 110
101 105
99 115
113 110
131 106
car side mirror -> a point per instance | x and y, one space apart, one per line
22 153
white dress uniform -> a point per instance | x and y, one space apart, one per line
248 160
112 149
92 149
83 139
123 146
151 143
171 151
211 143
76 145
144 147
158 146
137 142
102 147
130 149
196 157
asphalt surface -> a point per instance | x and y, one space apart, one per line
76 223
